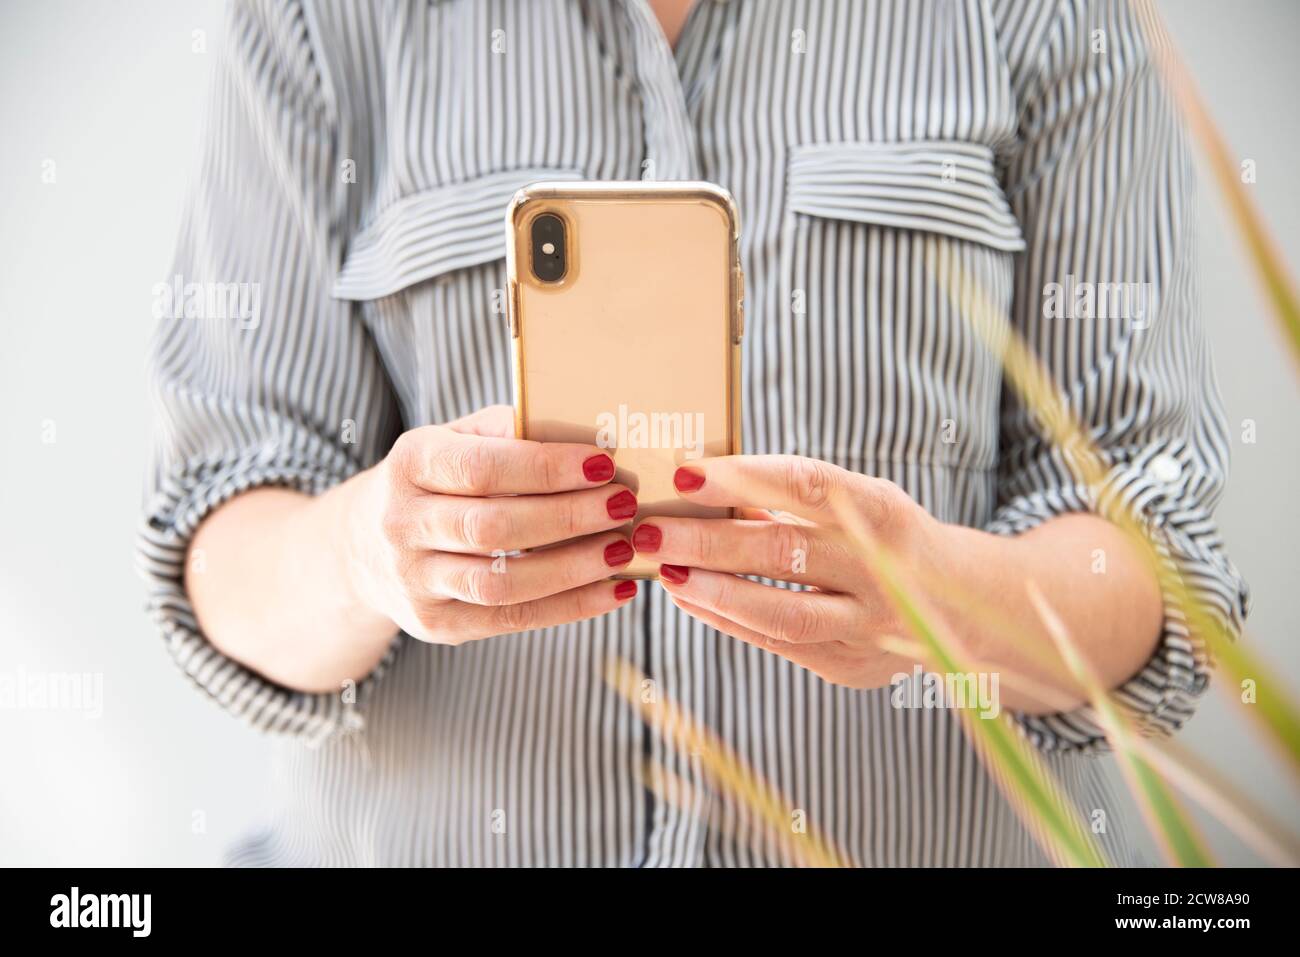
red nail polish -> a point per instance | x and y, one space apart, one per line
618 553
647 538
598 468
688 480
676 574
622 505
624 590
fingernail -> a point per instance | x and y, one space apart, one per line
676 574
624 590
618 553
688 480
598 468
647 538
621 505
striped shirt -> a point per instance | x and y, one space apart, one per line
355 172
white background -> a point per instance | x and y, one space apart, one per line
113 94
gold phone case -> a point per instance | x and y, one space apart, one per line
637 347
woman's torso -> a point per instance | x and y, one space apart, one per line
860 139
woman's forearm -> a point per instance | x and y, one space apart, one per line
1090 574
268 577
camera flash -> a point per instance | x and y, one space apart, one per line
548 248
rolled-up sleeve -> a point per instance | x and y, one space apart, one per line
258 377
1102 183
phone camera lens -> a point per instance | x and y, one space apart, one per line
548 248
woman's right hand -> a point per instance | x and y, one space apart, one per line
435 529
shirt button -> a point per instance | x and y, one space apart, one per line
1164 468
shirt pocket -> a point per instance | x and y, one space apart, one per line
429 275
887 247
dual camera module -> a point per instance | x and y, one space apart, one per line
549 255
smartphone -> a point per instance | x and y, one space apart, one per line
625 306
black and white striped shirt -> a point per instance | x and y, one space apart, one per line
357 165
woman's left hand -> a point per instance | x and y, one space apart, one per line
833 631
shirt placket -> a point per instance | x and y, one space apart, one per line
669 134
674 650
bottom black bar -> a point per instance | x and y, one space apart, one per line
335 907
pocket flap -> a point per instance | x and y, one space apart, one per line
936 186
434 232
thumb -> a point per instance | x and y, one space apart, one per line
497 421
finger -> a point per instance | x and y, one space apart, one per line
482 526
493 420
807 488
576 604
793 553
798 617
438 459
821 659
506 580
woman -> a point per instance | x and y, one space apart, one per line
328 498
